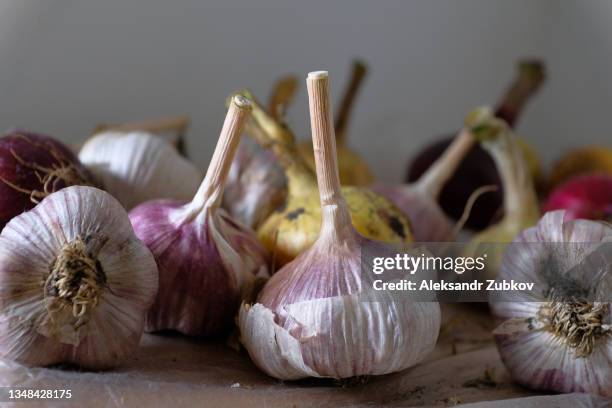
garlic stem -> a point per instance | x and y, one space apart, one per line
436 176
210 192
358 73
324 146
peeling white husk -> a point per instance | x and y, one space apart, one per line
75 282
552 343
136 167
256 184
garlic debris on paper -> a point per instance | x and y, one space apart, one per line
75 282
207 261
313 317
520 204
138 166
559 336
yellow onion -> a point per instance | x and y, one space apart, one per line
296 224
354 171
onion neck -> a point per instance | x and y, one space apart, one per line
336 219
436 176
530 77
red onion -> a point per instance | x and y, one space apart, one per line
32 166
587 196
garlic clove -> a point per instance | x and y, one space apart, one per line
137 166
79 237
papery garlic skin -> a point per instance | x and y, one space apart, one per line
38 323
536 356
136 167
203 280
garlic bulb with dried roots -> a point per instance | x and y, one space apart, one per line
558 337
32 166
419 200
138 166
256 184
295 225
520 204
311 319
207 261
354 171
75 282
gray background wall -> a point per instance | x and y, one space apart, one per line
68 64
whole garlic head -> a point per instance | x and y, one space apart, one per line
137 166
315 316
75 282
207 261
558 338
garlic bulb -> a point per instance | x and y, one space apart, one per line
295 225
311 319
559 336
419 200
354 171
520 204
207 262
137 166
75 282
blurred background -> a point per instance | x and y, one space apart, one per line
67 65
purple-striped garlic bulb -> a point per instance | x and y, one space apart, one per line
419 200
75 282
558 337
207 261
313 317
